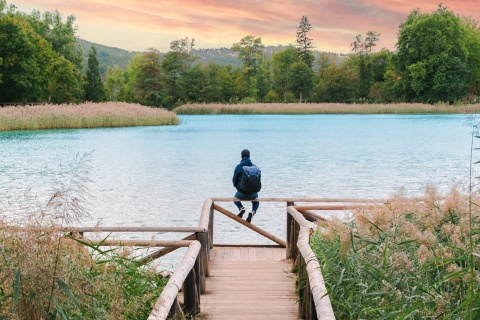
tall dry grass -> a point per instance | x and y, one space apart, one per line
87 115
46 275
406 259
325 108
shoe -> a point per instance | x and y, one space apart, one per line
250 216
240 214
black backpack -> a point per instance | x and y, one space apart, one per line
250 179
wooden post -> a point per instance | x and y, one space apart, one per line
190 294
164 303
296 231
202 237
289 232
311 312
302 284
210 226
174 310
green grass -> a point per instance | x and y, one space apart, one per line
325 108
88 115
404 260
45 275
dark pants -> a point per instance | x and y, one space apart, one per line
247 196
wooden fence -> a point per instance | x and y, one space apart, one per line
191 274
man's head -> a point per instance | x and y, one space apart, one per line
245 153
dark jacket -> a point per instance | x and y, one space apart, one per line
238 171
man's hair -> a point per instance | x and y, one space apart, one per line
245 153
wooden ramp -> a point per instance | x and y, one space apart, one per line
249 283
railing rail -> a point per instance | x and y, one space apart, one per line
186 275
315 302
192 272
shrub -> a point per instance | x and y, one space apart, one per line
45 275
404 259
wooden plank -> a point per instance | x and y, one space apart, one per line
278 254
253 287
244 254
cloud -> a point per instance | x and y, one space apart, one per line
139 24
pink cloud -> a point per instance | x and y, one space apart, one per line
137 25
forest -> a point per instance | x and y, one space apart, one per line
436 60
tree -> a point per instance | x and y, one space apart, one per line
302 79
149 80
61 34
94 90
432 56
304 44
281 71
249 49
26 57
176 64
64 83
473 60
335 84
363 49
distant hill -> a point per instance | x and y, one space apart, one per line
110 56
106 56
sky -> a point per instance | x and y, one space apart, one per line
137 25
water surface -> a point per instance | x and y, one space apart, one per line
160 176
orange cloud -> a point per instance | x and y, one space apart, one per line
138 25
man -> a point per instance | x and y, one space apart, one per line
242 194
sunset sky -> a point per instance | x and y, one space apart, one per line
140 24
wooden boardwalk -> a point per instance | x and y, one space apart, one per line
249 283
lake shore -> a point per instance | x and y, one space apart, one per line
326 108
86 115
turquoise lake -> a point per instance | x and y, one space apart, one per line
160 176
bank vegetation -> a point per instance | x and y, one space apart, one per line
406 259
47 274
326 108
86 115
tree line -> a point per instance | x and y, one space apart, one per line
436 59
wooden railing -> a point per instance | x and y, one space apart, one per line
191 274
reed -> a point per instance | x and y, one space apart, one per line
46 275
326 108
87 115
404 259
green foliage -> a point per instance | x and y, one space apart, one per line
281 69
25 59
406 260
37 56
363 61
249 49
302 80
437 59
304 44
432 56
335 84
148 81
46 275
94 90
61 34
64 82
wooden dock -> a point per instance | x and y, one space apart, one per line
249 283
222 281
